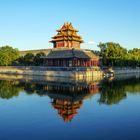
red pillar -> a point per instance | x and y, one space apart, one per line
86 63
90 63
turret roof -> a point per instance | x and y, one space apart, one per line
70 53
67 26
67 33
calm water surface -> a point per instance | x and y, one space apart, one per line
84 110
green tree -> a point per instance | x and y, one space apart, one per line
37 59
113 54
134 57
28 59
102 47
8 55
20 61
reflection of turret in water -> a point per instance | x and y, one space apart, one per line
66 109
54 84
68 98
67 104
72 88
112 90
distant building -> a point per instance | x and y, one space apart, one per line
66 50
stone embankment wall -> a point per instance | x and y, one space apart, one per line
63 72
126 70
54 72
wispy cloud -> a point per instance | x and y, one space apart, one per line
90 43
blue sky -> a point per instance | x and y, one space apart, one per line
30 24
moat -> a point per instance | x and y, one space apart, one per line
34 108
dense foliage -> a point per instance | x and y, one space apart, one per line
30 60
8 55
115 55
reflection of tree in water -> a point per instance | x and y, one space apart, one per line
8 90
31 87
135 86
114 91
111 91
67 98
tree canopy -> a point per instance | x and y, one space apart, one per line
31 60
37 59
8 55
113 54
